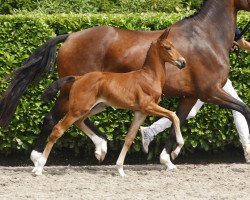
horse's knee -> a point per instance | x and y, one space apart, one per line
128 141
56 134
175 119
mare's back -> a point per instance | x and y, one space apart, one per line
104 48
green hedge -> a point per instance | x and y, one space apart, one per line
94 6
212 129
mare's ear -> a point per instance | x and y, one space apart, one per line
164 35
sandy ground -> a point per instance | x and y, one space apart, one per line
211 181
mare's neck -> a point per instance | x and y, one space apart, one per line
154 65
218 18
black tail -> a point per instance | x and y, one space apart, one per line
52 90
39 63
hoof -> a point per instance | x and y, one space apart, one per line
104 149
165 160
101 150
120 170
247 153
171 167
34 169
38 170
98 155
174 155
39 173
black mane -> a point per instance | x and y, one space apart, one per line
198 9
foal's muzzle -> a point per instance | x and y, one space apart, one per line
180 63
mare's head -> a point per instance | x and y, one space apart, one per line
243 5
168 53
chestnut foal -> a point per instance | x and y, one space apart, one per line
139 91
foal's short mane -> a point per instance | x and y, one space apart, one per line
148 58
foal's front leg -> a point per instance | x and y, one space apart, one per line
136 123
155 109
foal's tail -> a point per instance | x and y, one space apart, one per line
52 90
39 63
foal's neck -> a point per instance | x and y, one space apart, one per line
154 64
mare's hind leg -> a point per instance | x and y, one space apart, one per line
134 127
155 109
220 97
183 109
57 132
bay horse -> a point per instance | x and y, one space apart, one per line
204 40
139 91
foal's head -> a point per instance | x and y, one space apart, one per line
168 53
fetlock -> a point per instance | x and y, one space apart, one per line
41 162
34 156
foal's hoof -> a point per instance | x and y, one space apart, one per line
39 173
247 153
98 155
35 168
39 167
101 150
121 171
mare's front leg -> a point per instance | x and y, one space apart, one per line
183 109
134 127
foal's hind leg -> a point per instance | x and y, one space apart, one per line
52 118
134 127
100 141
57 132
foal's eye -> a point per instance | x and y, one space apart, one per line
167 48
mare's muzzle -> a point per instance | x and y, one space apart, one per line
180 63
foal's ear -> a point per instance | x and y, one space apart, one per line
164 35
